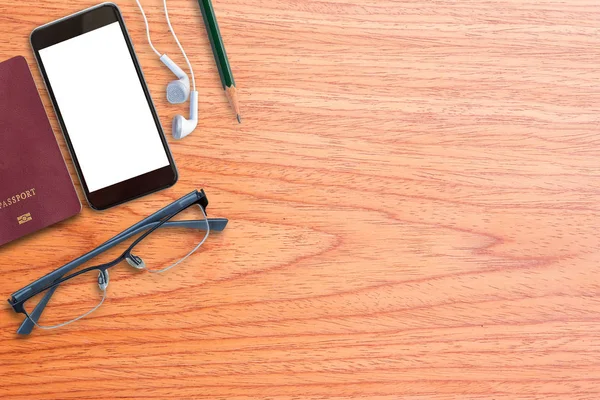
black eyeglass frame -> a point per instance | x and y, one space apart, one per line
160 218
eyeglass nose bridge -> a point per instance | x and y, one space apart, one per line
135 261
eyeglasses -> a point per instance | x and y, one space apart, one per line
164 239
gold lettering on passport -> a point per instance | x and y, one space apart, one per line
24 218
17 197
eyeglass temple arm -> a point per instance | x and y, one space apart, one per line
37 311
215 224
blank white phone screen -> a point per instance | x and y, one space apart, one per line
103 106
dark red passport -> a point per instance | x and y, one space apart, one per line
36 189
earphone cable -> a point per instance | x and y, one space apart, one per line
180 46
147 27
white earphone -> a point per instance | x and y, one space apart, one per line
178 90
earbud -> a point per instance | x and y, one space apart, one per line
178 90
183 127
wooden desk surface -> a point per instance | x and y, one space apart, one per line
414 205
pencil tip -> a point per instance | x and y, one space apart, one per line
239 119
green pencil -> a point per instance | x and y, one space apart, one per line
218 48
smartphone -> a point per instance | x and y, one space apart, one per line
103 106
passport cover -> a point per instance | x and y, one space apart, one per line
36 189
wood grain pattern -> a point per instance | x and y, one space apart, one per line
413 196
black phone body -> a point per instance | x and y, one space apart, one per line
103 106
